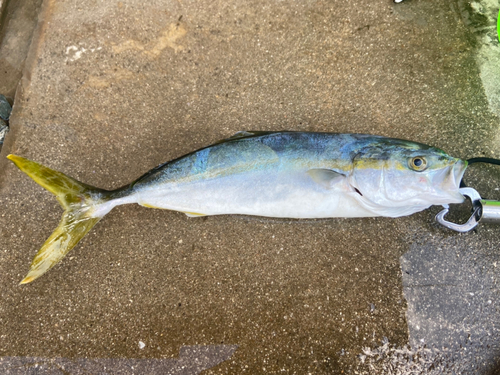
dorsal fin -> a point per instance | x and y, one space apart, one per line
243 134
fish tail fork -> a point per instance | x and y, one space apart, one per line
78 201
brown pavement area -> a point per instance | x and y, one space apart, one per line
113 88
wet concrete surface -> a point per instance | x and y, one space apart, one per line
114 92
451 286
17 24
192 360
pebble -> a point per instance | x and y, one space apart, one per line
3 130
5 108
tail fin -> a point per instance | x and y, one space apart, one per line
78 201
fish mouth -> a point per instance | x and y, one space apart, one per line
456 173
447 184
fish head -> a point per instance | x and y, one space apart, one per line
397 178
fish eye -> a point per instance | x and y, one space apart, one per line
418 163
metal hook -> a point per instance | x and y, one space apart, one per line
475 198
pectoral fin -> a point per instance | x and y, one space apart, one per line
325 177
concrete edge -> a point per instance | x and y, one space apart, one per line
15 124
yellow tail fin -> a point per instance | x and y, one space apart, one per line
78 201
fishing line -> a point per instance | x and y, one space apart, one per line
480 160
484 160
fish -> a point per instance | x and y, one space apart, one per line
282 174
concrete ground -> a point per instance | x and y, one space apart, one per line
112 89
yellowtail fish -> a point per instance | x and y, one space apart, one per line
274 174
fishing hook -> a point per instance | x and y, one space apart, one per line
486 211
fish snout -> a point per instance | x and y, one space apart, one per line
451 183
459 170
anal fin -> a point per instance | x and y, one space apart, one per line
149 206
190 214
193 214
